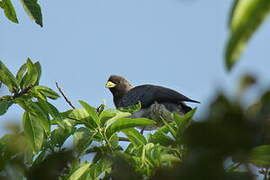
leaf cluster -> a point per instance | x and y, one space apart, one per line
106 143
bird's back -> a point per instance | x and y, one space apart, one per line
148 94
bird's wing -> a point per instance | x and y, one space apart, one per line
148 94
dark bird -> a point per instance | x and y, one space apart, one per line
124 95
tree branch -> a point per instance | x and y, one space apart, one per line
124 139
65 97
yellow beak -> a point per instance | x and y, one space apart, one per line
110 84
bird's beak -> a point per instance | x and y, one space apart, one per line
110 84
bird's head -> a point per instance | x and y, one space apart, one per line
118 85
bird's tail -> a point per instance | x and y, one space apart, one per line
191 100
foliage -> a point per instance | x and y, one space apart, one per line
225 144
31 7
175 150
246 17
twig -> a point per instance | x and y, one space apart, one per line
124 139
22 92
65 97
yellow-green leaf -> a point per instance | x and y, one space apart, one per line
9 10
246 18
80 171
33 131
7 78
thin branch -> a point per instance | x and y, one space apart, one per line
65 97
124 139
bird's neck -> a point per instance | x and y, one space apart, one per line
118 95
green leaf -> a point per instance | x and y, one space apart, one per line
162 139
8 78
4 105
181 120
45 91
33 10
182 123
118 115
169 158
9 10
40 114
135 137
80 171
61 133
107 114
91 111
170 127
33 131
98 168
260 155
82 139
31 77
38 68
246 18
78 114
125 123
49 108
114 142
21 73
131 109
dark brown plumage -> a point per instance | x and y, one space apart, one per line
124 95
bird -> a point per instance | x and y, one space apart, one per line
153 98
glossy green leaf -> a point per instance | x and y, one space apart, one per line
98 168
134 136
38 68
40 114
118 115
246 18
33 131
4 105
49 108
260 155
125 123
32 75
45 91
21 73
107 114
9 10
79 114
7 78
91 112
80 171
32 8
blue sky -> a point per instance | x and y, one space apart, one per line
174 43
